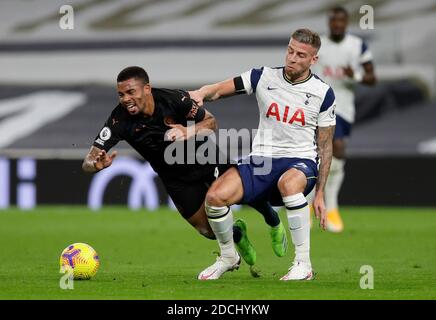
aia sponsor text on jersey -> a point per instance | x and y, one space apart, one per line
289 116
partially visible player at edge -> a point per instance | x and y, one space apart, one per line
296 109
344 60
142 118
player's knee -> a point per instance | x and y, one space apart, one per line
291 183
215 198
284 187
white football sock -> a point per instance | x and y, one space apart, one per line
334 183
298 212
221 222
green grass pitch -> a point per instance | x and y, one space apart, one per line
157 255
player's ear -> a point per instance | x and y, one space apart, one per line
147 89
314 59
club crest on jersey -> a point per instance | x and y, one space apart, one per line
297 116
105 134
308 96
332 111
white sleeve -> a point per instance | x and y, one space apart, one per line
247 83
251 79
327 116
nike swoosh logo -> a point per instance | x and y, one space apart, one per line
207 276
270 88
309 276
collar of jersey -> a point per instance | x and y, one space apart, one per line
337 43
297 82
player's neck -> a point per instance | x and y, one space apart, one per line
337 38
149 106
299 78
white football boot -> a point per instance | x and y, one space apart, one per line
221 266
299 271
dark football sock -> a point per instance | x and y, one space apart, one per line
269 214
237 234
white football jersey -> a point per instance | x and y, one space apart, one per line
351 51
289 113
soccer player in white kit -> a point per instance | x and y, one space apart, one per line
297 121
344 60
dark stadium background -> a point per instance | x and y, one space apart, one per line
184 45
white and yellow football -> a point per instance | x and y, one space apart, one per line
82 258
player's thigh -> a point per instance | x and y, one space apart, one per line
227 189
291 182
188 197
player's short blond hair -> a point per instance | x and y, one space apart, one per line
307 36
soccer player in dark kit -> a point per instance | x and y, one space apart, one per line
151 119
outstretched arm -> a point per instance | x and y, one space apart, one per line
325 152
97 159
214 91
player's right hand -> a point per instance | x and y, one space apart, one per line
103 160
348 71
320 209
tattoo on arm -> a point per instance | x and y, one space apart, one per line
325 152
206 125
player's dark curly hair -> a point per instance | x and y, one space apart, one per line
308 37
338 9
133 72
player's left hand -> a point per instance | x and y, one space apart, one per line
103 160
348 71
320 209
178 133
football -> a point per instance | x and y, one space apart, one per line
82 258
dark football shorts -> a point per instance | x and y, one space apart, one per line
342 129
188 197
